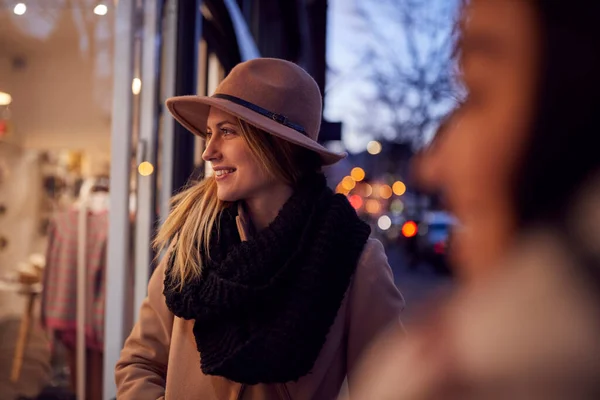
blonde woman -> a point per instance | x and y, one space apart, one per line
271 288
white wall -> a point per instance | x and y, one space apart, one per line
62 87
58 103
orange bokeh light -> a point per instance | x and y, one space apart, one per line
372 206
385 191
399 188
409 229
366 189
358 174
348 183
341 189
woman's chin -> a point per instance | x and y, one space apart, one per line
226 195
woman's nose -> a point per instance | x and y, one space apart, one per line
211 152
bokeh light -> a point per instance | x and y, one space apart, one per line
399 188
348 183
340 189
366 189
385 191
136 86
100 9
358 174
5 99
384 222
20 9
145 168
409 229
372 206
356 201
397 206
376 190
374 147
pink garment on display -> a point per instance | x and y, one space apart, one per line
59 298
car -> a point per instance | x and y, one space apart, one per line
425 239
434 240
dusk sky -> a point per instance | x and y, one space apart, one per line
348 37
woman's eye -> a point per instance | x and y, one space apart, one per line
226 131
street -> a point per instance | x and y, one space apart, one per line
418 285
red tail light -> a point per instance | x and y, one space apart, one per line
439 248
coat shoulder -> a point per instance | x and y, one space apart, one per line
372 254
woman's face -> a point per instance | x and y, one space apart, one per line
476 159
239 174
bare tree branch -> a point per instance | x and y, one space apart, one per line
410 66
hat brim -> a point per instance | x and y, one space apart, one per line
192 113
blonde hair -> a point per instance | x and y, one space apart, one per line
196 210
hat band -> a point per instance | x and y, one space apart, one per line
266 113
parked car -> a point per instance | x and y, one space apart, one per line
426 240
434 241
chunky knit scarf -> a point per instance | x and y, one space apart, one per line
263 307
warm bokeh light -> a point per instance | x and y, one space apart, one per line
340 189
374 147
358 174
356 201
399 188
145 168
384 222
5 99
372 206
100 9
397 206
376 190
385 191
409 229
20 9
136 86
348 183
367 189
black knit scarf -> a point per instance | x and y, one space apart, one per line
263 308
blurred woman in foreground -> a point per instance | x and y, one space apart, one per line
519 166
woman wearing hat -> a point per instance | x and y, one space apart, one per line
271 288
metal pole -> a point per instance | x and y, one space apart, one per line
117 275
